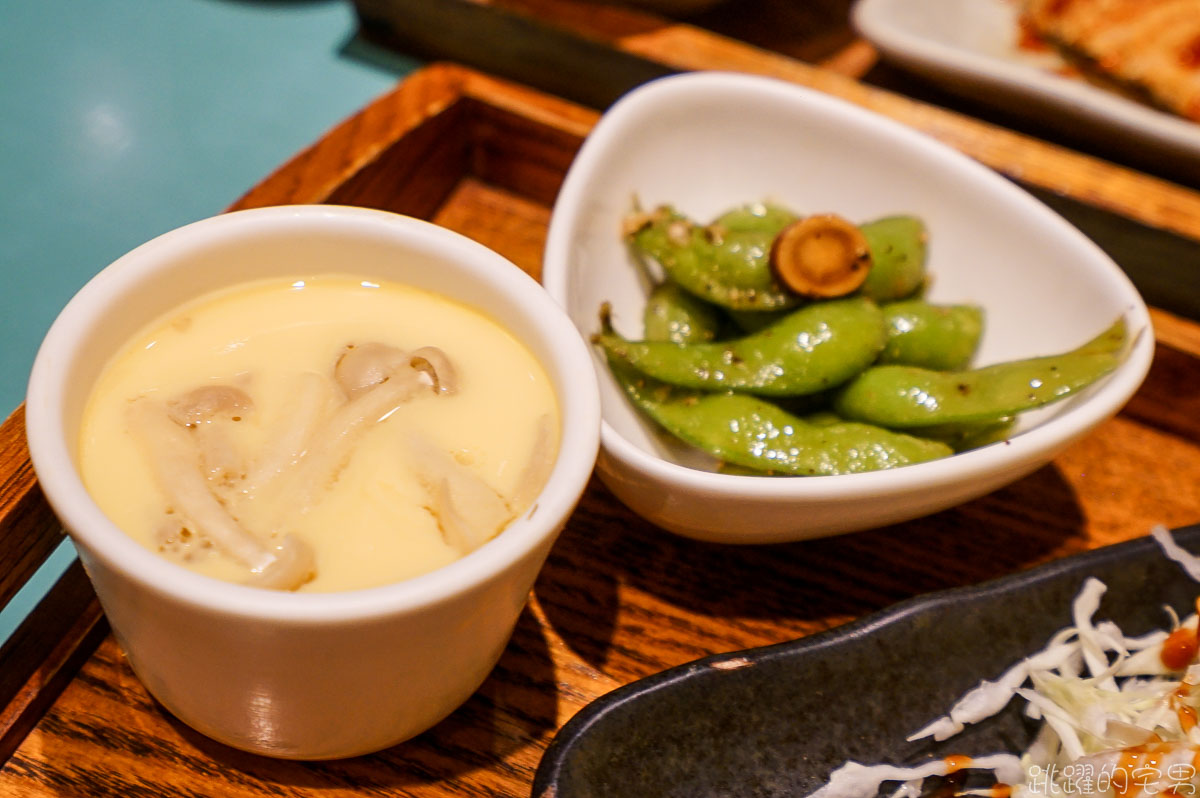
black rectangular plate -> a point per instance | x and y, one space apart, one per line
775 721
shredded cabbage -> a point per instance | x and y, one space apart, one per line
1117 721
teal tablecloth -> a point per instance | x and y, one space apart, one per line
121 119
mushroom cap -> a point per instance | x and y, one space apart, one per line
433 362
207 402
363 366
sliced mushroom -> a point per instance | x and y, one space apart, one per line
332 442
821 256
310 396
537 469
205 412
209 402
468 511
363 366
176 465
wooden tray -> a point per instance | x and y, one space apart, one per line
592 51
618 599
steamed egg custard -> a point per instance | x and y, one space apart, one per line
318 434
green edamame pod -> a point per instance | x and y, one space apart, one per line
964 437
751 433
673 315
825 418
1110 342
904 397
814 348
726 263
897 245
959 437
752 321
939 337
755 217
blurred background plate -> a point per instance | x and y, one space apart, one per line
974 48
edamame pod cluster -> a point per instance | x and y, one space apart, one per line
740 360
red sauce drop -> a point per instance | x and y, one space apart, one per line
1187 718
1058 7
1137 764
1120 775
1186 714
1179 649
956 762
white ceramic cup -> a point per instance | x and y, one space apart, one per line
311 675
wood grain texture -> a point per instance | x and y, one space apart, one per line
593 52
574 46
44 653
30 532
618 598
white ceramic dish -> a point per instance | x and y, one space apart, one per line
306 675
709 141
972 47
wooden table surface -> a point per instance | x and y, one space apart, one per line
618 599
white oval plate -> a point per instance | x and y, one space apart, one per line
709 141
970 46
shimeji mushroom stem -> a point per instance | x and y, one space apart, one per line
468 511
289 442
374 391
537 469
190 457
176 465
